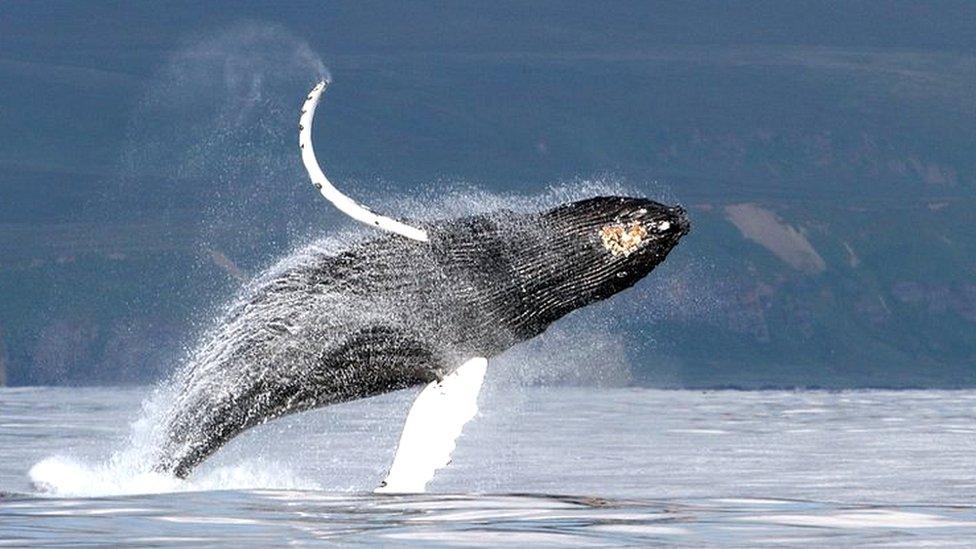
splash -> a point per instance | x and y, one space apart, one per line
223 107
63 476
217 125
127 470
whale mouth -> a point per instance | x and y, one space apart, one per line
681 222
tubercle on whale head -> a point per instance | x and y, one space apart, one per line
622 226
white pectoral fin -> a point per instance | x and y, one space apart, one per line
328 190
433 425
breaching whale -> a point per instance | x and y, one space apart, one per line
425 303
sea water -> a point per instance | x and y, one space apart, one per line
538 465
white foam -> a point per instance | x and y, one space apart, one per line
864 518
128 470
63 476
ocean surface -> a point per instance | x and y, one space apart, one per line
539 465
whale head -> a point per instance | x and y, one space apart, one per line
582 252
609 243
527 270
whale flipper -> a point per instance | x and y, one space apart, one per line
433 425
328 190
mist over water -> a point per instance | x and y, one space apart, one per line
224 108
217 127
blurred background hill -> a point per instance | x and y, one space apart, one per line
825 151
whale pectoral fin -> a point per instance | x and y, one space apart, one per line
433 425
345 204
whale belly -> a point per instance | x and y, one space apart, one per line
371 361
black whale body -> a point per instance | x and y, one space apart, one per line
391 313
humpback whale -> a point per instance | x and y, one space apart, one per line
424 303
